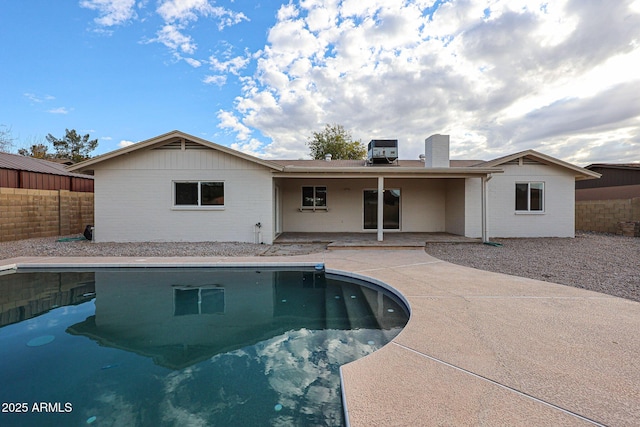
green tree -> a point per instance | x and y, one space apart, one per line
38 151
335 140
73 146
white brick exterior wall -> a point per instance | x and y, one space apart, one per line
558 218
473 208
134 198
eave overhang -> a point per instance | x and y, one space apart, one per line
384 171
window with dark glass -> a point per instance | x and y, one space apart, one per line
212 193
530 196
199 193
314 197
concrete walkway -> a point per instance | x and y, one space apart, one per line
480 348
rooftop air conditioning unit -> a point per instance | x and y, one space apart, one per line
382 151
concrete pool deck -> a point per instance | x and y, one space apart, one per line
480 348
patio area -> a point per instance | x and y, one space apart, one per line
392 240
480 348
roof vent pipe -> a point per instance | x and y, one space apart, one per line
327 157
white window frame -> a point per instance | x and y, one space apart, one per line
197 206
314 207
542 198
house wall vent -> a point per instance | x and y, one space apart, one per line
382 151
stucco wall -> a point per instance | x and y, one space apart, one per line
134 198
557 220
422 204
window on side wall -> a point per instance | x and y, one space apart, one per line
314 197
529 197
199 194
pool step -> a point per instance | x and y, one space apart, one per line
336 312
360 314
388 314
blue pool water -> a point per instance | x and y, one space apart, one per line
184 347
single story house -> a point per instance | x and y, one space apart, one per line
178 187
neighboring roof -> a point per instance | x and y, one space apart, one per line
30 164
627 166
88 165
579 172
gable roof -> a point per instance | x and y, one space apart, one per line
579 172
30 164
173 136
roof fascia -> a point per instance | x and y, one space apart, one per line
371 171
88 164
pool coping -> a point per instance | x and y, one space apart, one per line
480 348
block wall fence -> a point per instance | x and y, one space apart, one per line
605 215
25 214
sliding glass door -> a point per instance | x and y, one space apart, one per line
391 209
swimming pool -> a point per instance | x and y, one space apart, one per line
199 346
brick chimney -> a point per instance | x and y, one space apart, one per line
436 151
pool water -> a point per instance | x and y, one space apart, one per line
185 347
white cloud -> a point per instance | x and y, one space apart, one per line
37 98
499 76
253 147
228 18
193 62
112 12
231 122
59 110
172 37
183 10
219 80
233 65
125 143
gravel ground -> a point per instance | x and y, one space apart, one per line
52 246
600 262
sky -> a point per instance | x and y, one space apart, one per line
499 76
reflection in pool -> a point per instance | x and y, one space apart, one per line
186 346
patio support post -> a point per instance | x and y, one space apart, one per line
485 203
380 207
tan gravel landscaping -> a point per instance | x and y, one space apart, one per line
604 263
